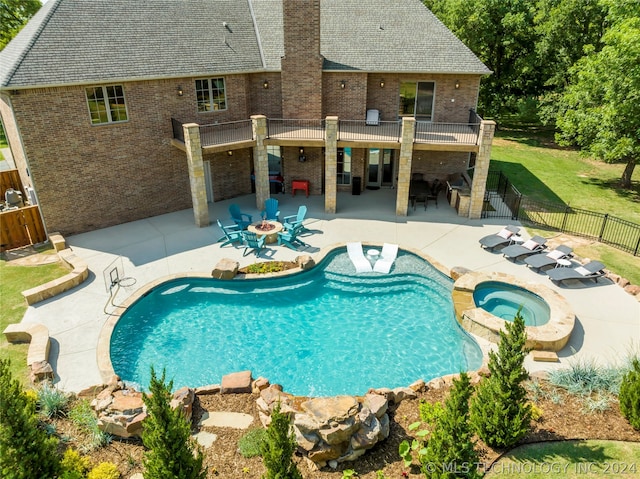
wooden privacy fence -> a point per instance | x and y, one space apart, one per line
21 227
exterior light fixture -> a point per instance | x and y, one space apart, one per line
230 153
180 91
301 157
343 84
457 84
381 83
265 84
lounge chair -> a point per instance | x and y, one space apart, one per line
289 237
252 241
232 234
291 221
532 246
358 258
387 257
242 219
271 211
592 270
501 238
551 258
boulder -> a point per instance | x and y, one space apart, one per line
305 262
236 383
225 269
127 402
209 389
377 404
41 371
327 409
183 398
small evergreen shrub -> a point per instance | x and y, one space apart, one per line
51 401
26 452
104 470
250 444
630 394
451 445
500 413
278 448
73 462
172 453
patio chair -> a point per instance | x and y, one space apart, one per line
529 247
433 193
289 237
232 234
271 211
501 238
357 257
592 270
291 221
538 261
242 219
252 242
387 258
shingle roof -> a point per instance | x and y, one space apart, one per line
84 41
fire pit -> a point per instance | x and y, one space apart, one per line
266 228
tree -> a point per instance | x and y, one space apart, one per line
14 14
451 447
629 396
500 413
599 109
26 451
166 434
278 448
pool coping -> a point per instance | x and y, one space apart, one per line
552 336
103 349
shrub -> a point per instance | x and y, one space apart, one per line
630 394
451 444
104 470
26 452
83 416
500 413
73 462
429 414
250 444
266 267
51 401
278 448
172 453
585 377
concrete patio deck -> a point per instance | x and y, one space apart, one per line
607 318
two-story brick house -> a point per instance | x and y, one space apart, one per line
118 110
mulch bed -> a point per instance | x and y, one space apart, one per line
562 419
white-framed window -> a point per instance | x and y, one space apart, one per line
344 166
416 99
210 94
106 104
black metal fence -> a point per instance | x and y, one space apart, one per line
503 200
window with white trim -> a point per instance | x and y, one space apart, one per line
343 176
106 104
210 94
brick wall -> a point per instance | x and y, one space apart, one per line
438 164
312 169
230 175
348 103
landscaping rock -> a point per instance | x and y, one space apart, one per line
225 269
305 262
41 371
183 398
235 383
210 389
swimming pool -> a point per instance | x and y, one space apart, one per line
325 331
505 300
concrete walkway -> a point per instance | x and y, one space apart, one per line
608 319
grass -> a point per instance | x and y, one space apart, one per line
569 460
545 172
16 279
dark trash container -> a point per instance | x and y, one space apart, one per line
356 185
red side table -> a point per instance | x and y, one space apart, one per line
299 185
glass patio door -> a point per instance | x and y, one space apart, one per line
380 168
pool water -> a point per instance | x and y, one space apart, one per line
504 300
323 332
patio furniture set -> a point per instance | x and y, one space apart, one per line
557 262
254 235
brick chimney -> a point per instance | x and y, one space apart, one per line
302 63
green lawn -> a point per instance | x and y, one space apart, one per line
14 280
570 460
543 171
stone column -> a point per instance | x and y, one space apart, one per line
331 164
196 174
404 165
481 170
260 160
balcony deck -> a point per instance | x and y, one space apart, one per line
354 133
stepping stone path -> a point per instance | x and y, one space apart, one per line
235 420
205 439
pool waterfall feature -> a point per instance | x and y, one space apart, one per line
551 336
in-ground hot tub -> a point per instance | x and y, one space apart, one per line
504 293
